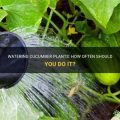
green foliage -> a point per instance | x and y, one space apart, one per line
113 25
103 12
81 26
24 13
105 18
6 2
98 65
28 14
110 40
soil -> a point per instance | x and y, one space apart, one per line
103 111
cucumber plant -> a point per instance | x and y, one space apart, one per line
97 18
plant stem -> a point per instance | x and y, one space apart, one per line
116 93
108 97
48 23
92 91
102 97
59 15
112 95
53 24
65 24
80 40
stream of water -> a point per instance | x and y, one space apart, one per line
52 95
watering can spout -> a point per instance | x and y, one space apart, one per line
11 70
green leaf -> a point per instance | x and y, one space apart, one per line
81 26
98 10
111 40
113 25
3 14
53 3
14 106
6 2
26 14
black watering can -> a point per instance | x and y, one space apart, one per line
11 69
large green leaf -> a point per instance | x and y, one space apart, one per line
25 14
3 14
14 106
98 10
6 2
113 25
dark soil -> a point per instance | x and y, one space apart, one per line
103 111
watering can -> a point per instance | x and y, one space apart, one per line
11 69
